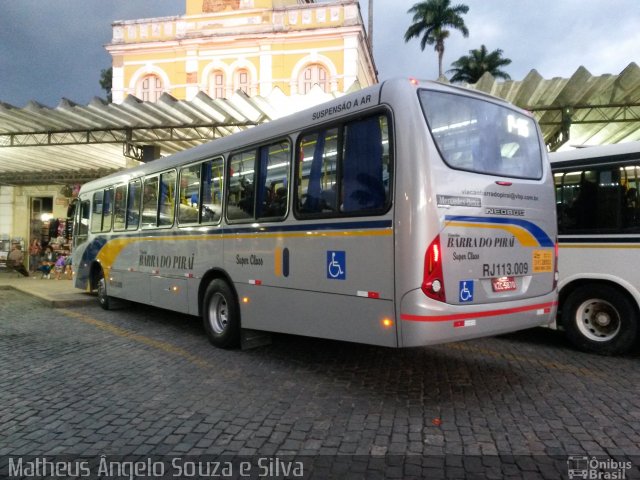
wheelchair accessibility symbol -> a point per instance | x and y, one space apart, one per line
465 292
336 265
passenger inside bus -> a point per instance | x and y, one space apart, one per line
632 217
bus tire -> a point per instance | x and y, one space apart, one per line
600 319
103 299
221 315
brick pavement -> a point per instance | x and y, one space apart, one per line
136 382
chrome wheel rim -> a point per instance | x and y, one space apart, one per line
218 313
102 290
598 320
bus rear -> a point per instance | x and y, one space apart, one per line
476 230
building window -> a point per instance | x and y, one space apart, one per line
149 88
242 81
216 84
213 6
314 74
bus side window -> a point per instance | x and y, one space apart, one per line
240 196
166 203
133 205
363 166
590 201
96 213
585 202
632 209
567 188
107 210
150 202
212 189
189 194
345 170
631 201
609 200
82 222
317 166
120 208
603 200
273 186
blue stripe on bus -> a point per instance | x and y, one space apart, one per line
226 230
539 234
308 227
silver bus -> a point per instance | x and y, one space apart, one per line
408 213
599 238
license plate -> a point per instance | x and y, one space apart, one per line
503 284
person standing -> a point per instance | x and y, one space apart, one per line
35 250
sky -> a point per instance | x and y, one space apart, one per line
54 49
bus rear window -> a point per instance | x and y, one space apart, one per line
483 137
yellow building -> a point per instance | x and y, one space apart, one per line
221 46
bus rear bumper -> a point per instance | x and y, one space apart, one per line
426 322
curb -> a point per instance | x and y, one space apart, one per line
48 301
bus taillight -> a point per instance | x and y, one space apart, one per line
433 283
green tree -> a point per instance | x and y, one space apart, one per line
106 76
431 21
469 68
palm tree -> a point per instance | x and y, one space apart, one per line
469 68
431 18
106 80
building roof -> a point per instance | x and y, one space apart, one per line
74 143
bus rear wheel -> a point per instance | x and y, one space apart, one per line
600 319
221 315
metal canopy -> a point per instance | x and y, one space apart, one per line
577 111
74 143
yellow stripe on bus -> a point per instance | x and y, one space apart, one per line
277 262
112 249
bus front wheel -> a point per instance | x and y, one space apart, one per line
103 298
600 319
221 315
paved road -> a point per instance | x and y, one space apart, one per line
144 382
